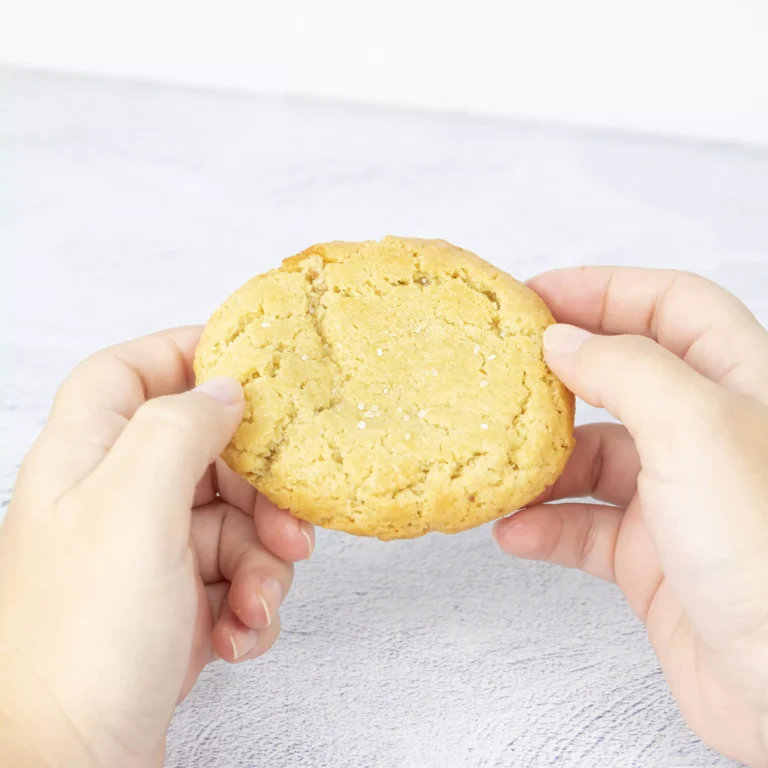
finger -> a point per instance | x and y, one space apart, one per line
157 462
572 535
289 538
641 384
216 594
604 465
227 548
638 572
697 320
98 398
66 453
234 489
234 642
205 491
122 377
202 652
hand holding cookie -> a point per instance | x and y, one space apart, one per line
683 524
131 557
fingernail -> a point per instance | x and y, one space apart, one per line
516 538
305 533
500 530
564 339
270 594
225 389
243 641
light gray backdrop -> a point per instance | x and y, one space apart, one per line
127 208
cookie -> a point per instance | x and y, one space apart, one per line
392 388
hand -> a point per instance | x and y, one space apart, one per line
130 557
684 527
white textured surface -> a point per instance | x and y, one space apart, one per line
124 209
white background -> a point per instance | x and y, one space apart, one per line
687 67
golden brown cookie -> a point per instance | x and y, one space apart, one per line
392 388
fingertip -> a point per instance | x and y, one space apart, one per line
563 339
287 537
251 608
255 601
224 389
533 282
308 532
519 535
545 282
234 642
242 640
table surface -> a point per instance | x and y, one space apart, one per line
125 208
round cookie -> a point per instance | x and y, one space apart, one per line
392 388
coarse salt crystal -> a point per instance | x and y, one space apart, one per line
484 383
477 349
407 435
422 413
266 324
491 357
361 425
305 357
483 426
379 352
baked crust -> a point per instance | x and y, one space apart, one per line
392 388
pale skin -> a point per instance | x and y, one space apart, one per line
123 571
131 557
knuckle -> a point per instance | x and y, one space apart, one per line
596 467
549 545
682 281
695 287
687 279
100 364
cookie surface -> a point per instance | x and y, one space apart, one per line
392 388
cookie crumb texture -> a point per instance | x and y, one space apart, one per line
392 388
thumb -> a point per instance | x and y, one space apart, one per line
169 443
637 381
